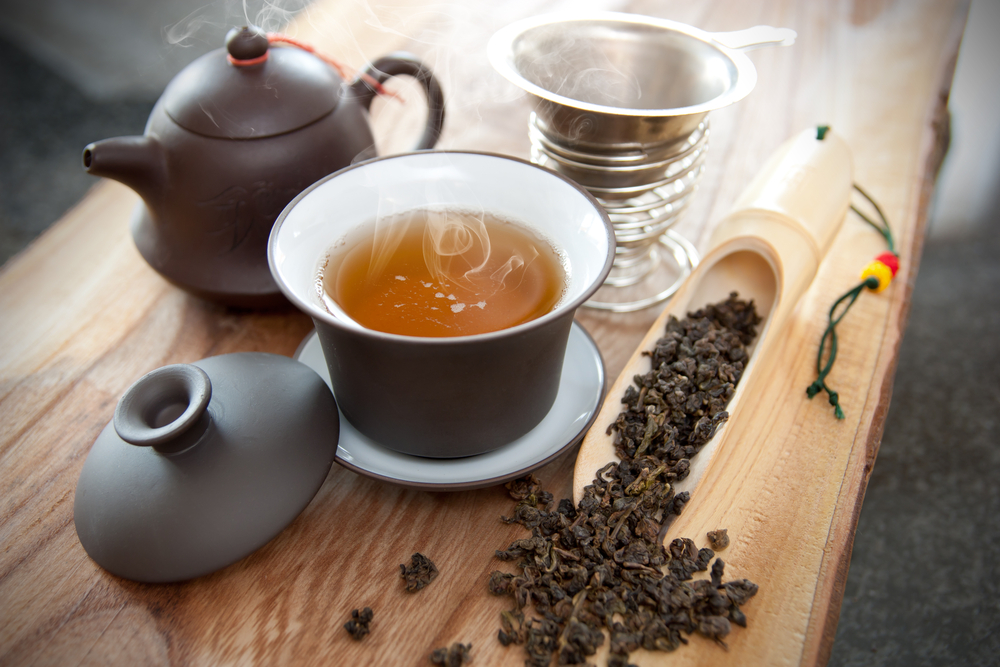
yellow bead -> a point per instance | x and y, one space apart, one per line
880 271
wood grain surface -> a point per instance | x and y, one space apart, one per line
82 316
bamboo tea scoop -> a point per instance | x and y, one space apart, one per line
768 249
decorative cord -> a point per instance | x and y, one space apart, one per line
343 70
876 276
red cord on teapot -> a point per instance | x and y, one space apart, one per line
343 70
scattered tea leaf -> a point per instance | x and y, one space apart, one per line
718 539
529 490
454 656
358 626
420 572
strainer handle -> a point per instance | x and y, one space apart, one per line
756 37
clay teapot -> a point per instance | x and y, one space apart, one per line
235 136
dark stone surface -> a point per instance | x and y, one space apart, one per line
924 582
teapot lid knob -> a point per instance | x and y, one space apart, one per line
246 43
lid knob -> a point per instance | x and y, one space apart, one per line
246 43
162 406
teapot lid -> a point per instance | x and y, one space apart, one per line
203 464
249 90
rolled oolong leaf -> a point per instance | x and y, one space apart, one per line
420 572
528 490
358 626
454 656
718 539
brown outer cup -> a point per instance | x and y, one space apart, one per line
447 397
444 401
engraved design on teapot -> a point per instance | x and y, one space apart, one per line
242 210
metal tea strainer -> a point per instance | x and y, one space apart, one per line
621 106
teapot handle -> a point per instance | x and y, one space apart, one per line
402 63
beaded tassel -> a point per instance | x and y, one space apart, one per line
876 277
883 269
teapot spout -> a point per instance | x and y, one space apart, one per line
138 162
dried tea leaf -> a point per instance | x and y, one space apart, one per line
500 582
718 539
521 488
454 656
420 572
359 624
714 627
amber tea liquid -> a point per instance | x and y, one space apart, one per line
436 273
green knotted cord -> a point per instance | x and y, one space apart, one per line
830 334
882 228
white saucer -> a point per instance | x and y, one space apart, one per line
581 389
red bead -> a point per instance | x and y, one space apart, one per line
891 260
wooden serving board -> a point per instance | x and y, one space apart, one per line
82 316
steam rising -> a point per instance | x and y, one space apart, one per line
182 32
210 22
456 248
449 37
588 68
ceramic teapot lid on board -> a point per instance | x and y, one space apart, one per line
203 464
249 90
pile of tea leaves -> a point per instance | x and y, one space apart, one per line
601 566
